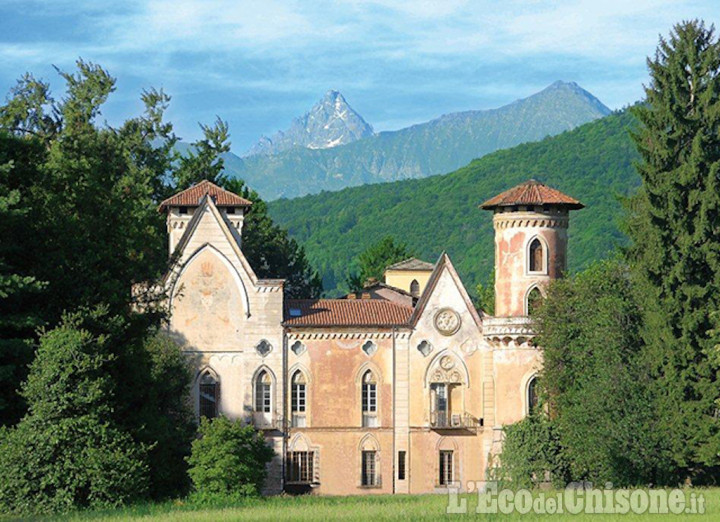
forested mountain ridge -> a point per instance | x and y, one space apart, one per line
593 163
435 147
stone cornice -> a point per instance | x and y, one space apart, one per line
304 336
529 219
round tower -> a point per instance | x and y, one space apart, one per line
531 222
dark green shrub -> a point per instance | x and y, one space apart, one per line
532 454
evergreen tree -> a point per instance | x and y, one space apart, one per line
68 451
18 289
271 251
675 226
375 259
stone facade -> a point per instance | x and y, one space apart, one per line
410 402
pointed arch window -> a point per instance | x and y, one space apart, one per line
534 299
298 392
208 395
369 400
263 392
415 288
536 256
532 396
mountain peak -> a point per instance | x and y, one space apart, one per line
567 91
329 123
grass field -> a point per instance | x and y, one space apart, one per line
399 507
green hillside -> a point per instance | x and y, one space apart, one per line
592 163
430 148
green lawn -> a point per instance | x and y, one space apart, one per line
416 507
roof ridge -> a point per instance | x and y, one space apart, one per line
191 196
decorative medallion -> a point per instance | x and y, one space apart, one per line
447 321
447 362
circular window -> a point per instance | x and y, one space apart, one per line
447 321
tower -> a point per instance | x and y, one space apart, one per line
530 222
181 208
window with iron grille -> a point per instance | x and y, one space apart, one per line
300 466
369 400
401 465
369 471
446 468
208 396
263 392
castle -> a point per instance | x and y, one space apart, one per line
401 388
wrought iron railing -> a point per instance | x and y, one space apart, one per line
457 421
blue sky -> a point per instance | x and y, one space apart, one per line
258 64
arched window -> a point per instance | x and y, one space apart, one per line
536 256
415 288
534 298
369 400
208 395
298 399
263 392
532 396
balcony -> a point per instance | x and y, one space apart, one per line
454 421
509 330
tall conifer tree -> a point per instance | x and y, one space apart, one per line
675 227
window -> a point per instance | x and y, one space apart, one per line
230 210
425 348
532 396
401 465
297 399
208 395
439 397
369 472
183 210
534 299
263 395
300 466
536 256
415 288
446 468
297 347
263 348
369 348
369 400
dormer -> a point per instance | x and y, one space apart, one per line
181 207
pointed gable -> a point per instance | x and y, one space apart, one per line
444 270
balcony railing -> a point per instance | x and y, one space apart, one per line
454 421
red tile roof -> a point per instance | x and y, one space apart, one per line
532 193
191 197
345 312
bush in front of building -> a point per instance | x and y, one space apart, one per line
532 455
228 460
